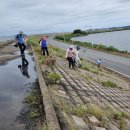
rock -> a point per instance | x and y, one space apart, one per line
80 123
86 99
63 94
94 120
127 124
105 121
112 127
98 128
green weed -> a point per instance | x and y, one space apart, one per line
53 77
80 111
109 84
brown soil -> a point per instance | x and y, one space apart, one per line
7 52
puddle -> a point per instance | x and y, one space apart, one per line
14 84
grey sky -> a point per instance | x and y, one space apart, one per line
40 16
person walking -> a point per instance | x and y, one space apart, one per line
20 41
99 64
44 46
70 54
77 59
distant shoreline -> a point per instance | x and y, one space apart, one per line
6 42
6 38
67 38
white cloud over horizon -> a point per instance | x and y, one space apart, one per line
39 16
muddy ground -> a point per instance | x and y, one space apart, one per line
7 52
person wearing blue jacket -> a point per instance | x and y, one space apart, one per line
44 46
20 39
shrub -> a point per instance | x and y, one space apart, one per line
53 77
95 110
117 115
101 46
95 71
109 84
77 31
50 61
59 37
95 46
111 48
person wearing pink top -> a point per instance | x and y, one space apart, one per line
70 54
44 46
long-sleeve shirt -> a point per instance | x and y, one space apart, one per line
70 53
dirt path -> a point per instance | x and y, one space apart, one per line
7 53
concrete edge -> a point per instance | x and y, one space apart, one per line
50 113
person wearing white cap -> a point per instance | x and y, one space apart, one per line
20 39
70 54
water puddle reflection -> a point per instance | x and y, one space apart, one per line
16 78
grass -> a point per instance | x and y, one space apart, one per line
112 115
43 128
89 67
95 110
53 77
84 66
57 52
80 111
34 102
95 71
109 84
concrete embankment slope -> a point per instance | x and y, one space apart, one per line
77 93
117 63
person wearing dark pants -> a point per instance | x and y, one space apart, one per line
44 46
71 62
20 39
45 51
22 47
70 54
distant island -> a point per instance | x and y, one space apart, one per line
101 30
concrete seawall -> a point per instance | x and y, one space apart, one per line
50 113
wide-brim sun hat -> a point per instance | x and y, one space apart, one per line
71 46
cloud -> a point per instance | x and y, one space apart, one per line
38 16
